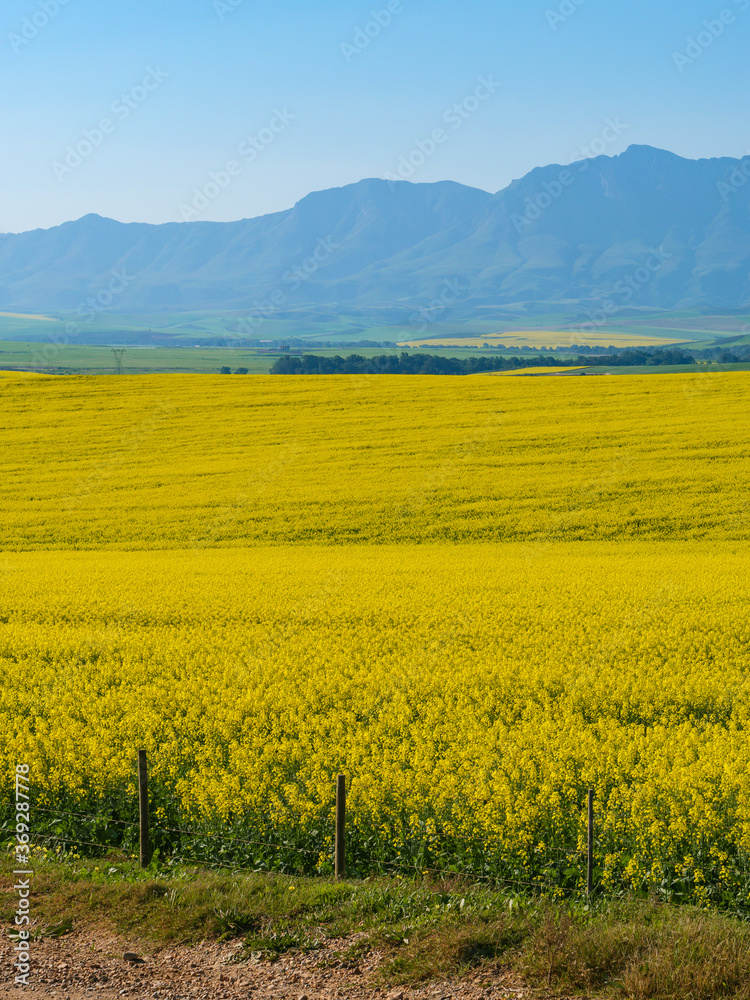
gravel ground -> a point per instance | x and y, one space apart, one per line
91 963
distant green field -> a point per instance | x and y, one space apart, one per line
194 329
95 360
197 330
205 342
82 359
699 369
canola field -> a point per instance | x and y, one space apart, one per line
477 598
184 461
547 338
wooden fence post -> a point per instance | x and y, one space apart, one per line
590 851
340 866
143 808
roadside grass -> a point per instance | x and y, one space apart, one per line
422 930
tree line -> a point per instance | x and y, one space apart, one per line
433 364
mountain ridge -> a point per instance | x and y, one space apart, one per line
580 234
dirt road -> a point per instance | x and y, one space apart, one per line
91 963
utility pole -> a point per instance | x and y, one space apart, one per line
118 353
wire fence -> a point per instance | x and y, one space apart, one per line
119 819
44 839
139 835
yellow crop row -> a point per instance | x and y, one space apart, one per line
470 693
189 564
209 461
545 338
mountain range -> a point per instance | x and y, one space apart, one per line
645 228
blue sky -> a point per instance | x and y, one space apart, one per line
225 109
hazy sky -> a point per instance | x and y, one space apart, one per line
127 109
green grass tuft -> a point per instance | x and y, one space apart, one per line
424 931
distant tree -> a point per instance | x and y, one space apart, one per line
225 371
286 366
241 371
435 364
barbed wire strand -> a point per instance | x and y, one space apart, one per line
103 818
70 840
470 875
303 850
388 864
404 866
435 871
240 840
